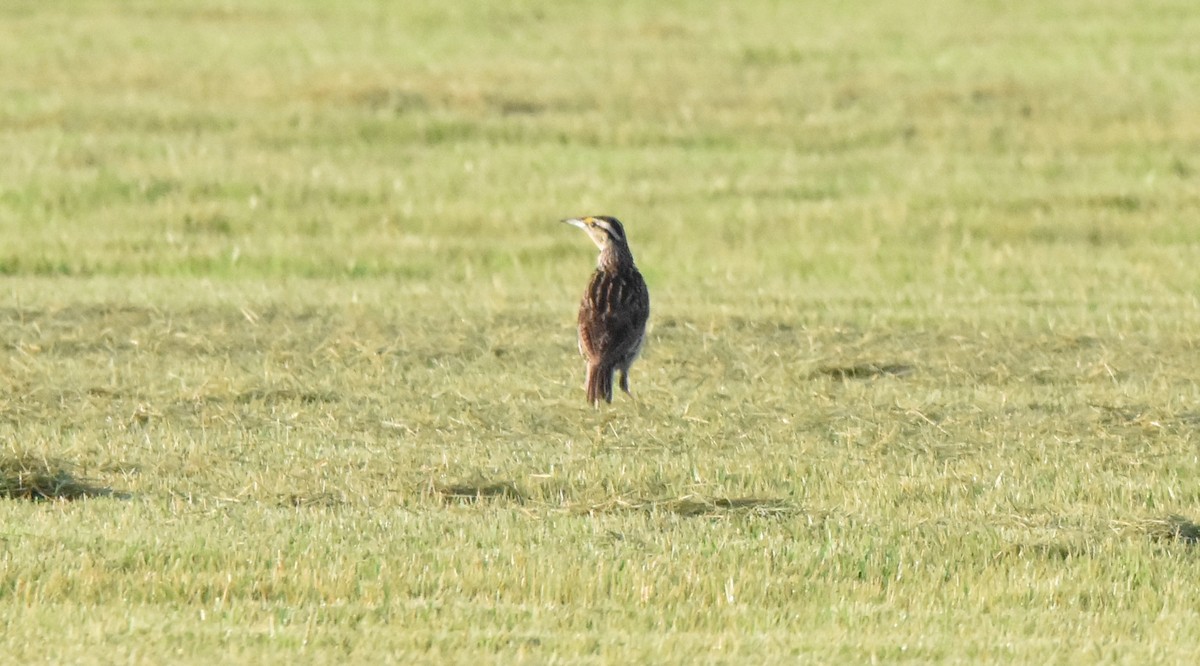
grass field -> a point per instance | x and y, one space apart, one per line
290 376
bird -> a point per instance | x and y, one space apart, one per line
614 309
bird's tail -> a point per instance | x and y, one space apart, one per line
599 384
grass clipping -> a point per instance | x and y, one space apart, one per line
33 478
1173 528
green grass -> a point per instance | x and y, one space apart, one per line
290 370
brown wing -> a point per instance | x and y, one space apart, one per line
612 317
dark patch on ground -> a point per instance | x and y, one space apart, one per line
272 396
1174 528
692 505
475 491
36 479
866 371
323 500
1044 551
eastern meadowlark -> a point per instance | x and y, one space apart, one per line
614 310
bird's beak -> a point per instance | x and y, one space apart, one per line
576 222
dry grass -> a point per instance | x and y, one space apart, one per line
1173 528
693 505
867 370
287 310
479 490
34 478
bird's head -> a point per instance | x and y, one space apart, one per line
604 231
